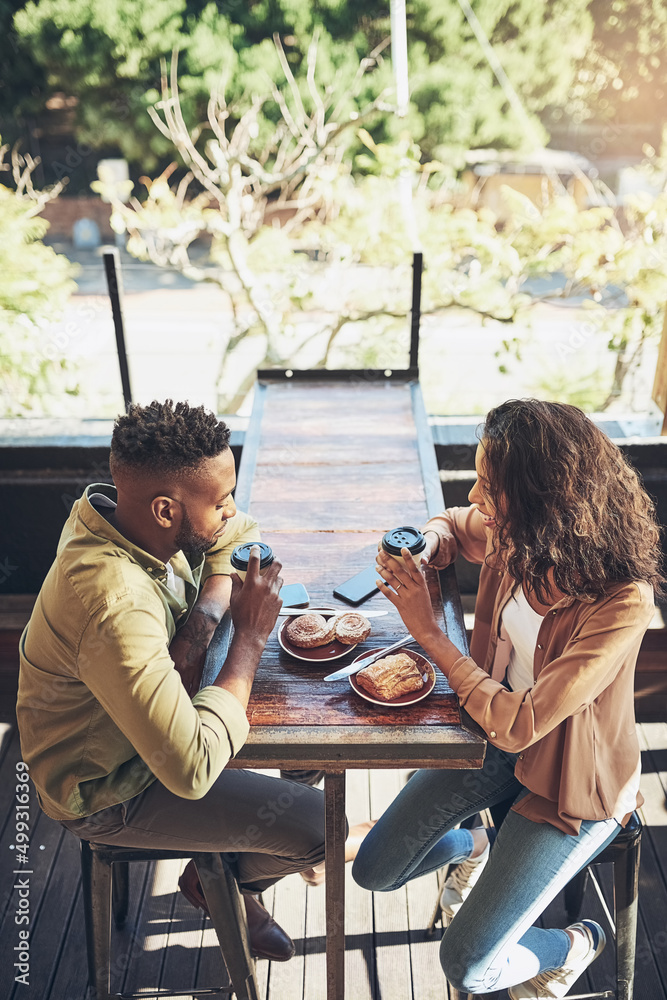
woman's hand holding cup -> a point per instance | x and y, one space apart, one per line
432 539
403 583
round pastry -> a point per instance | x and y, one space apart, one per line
352 628
308 631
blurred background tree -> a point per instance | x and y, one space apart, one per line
106 57
622 77
36 283
586 60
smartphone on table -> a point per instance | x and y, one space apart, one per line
294 595
359 587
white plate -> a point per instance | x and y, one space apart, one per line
318 654
428 671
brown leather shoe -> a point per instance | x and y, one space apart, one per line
267 938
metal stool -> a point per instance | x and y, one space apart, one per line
623 853
105 878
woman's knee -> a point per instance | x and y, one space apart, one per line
465 969
368 870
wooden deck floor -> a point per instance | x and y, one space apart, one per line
166 943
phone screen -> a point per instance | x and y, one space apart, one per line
294 595
358 588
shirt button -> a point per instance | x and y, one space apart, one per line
520 756
553 612
539 645
493 735
150 569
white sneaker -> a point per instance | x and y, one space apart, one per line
557 982
459 884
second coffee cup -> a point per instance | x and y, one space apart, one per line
404 538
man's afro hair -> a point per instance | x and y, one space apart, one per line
167 438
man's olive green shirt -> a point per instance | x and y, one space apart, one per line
101 709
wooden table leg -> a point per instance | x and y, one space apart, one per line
334 817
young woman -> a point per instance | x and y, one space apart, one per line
569 549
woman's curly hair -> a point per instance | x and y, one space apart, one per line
566 499
166 439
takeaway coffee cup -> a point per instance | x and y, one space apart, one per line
404 538
241 555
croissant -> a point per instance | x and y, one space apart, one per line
391 677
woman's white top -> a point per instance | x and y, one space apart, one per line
522 625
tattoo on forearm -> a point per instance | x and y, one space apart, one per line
211 615
198 635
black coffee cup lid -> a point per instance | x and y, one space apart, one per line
241 555
403 538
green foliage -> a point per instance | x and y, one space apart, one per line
108 55
22 80
588 390
468 261
471 262
35 279
455 95
621 268
283 310
36 283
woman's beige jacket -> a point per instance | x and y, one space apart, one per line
574 730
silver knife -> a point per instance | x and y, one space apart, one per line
352 668
331 611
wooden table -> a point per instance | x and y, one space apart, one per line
328 466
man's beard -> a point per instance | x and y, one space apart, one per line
190 540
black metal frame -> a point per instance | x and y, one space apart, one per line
111 260
112 270
361 375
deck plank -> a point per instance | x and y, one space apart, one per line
184 941
156 918
315 969
211 970
286 978
71 974
129 938
11 755
652 939
43 864
360 969
392 949
428 981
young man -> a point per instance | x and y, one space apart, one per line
122 745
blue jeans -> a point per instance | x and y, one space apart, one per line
218 648
491 944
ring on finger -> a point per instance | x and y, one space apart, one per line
397 585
